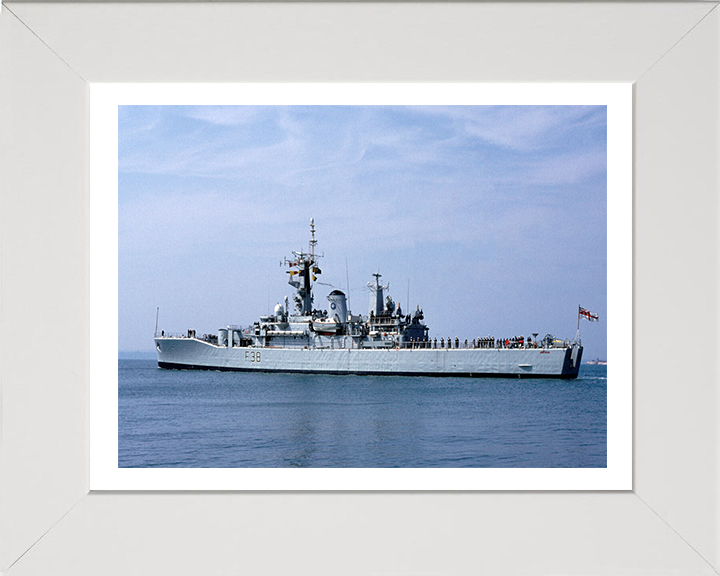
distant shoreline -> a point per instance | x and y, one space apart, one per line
136 355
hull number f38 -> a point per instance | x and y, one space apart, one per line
252 356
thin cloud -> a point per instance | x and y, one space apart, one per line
520 127
224 115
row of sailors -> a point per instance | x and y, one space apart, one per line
489 342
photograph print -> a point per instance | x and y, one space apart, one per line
362 286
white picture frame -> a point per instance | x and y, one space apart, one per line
666 524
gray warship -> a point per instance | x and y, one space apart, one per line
386 341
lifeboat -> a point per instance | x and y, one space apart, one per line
326 327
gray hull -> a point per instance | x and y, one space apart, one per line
195 354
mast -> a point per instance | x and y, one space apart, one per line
347 280
306 262
377 304
313 242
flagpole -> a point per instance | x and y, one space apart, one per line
577 335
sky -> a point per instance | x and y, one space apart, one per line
492 219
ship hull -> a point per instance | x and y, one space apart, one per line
195 354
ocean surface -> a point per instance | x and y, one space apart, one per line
188 419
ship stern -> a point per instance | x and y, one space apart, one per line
571 365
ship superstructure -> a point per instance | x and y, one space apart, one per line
332 340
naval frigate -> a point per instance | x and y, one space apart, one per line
386 341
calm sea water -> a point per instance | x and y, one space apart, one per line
171 418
